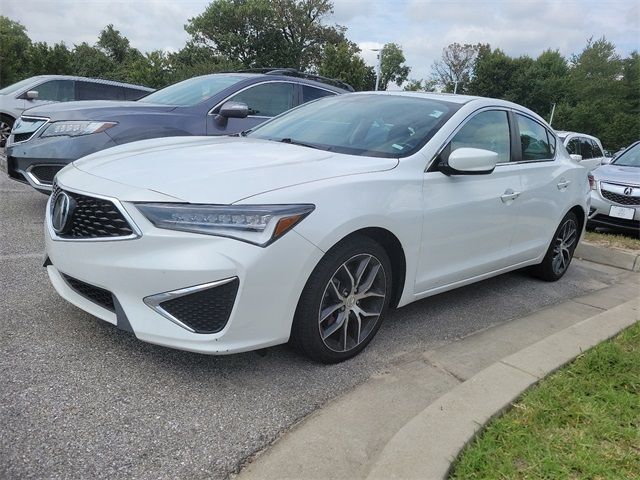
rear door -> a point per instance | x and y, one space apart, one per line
545 187
469 219
265 101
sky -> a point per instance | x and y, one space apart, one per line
422 27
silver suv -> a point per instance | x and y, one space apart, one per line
43 89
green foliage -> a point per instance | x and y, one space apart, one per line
420 86
343 61
392 66
263 33
597 92
14 51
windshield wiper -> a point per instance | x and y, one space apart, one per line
302 144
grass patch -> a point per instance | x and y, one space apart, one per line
581 422
613 240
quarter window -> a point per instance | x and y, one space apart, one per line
534 139
56 91
488 131
268 99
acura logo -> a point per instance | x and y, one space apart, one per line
628 191
61 212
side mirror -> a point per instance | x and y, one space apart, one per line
470 161
606 160
234 110
31 94
576 157
231 110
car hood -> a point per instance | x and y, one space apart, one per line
221 170
617 173
95 110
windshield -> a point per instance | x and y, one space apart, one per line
389 126
629 158
15 87
192 91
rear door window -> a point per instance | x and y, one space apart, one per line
98 91
534 139
267 99
311 93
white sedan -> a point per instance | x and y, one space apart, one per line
311 226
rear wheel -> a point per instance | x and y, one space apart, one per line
6 124
560 252
343 303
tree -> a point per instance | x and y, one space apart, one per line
420 86
114 45
14 48
453 71
262 33
343 61
392 66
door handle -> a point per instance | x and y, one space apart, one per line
509 195
563 184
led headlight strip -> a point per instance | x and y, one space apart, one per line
257 224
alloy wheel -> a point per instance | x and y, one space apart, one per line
352 303
5 131
564 246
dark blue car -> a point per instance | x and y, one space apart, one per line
47 138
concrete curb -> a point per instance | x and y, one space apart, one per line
427 445
608 256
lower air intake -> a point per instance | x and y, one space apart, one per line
205 311
98 295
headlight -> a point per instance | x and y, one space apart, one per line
257 224
75 128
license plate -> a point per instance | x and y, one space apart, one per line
622 212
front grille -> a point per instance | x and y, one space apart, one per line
206 311
98 295
619 198
93 218
26 127
45 173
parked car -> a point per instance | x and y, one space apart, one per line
47 138
615 193
310 226
44 89
583 148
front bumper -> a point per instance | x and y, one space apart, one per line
599 215
38 160
270 281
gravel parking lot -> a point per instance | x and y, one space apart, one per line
81 399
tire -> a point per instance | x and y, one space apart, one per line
335 321
560 253
6 124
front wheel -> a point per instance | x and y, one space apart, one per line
560 252
343 303
6 124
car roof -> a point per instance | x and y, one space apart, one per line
283 78
92 80
562 133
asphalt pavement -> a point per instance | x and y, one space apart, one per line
79 398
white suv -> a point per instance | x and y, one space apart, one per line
313 224
584 148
